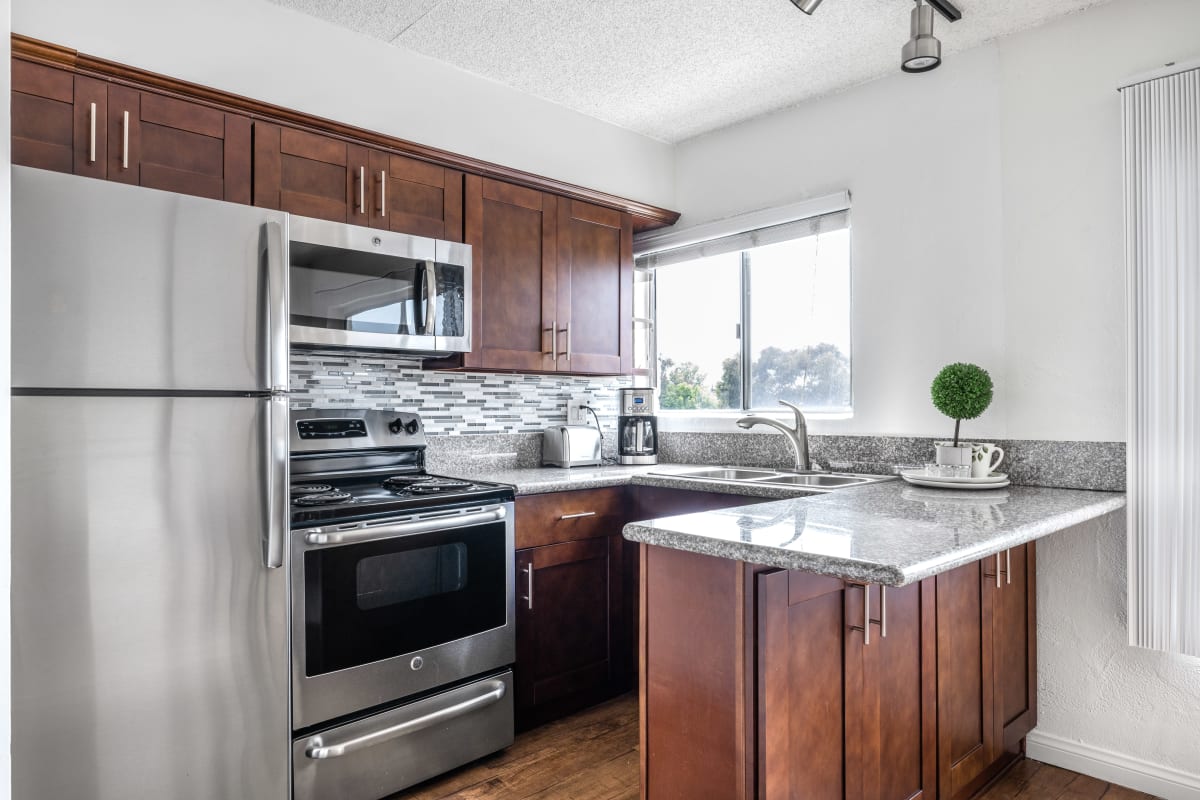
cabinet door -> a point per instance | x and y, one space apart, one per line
802 626
595 289
512 232
165 143
566 629
58 120
1014 641
891 726
411 196
965 668
311 175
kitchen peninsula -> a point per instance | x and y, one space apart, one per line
875 642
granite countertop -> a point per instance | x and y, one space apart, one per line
541 480
888 533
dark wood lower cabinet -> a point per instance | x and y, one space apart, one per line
569 618
761 683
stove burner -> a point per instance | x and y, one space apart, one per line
301 489
322 498
415 484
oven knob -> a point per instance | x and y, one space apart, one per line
395 425
417 663
412 426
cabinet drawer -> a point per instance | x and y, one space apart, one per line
567 516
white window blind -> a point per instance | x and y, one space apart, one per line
826 223
1161 126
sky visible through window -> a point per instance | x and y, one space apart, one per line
798 327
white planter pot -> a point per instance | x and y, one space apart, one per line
949 455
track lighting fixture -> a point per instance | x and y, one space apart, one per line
923 51
807 6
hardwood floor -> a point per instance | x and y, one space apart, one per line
1033 780
593 755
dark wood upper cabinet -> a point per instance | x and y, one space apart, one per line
176 145
59 120
595 289
311 175
512 232
411 196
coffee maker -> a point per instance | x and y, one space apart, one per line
637 428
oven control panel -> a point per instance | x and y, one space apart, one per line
319 430
331 428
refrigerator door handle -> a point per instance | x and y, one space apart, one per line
276 306
275 446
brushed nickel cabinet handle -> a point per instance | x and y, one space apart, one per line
866 626
362 190
579 515
529 587
553 331
567 330
997 570
883 612
125 141
92 135
383 193
1008 567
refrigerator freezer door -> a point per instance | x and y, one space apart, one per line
150 650
120 287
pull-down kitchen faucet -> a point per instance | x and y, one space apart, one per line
797 437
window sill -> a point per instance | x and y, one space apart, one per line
709 421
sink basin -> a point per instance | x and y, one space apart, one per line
728 474
827 481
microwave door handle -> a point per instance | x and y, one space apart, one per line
430 298
275 306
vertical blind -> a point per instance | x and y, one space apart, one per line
1161 127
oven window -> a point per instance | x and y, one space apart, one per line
377 600
403 577
350 290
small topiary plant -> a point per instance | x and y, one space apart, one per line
961 391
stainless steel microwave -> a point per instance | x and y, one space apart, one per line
360 288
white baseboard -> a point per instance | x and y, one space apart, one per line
1107 765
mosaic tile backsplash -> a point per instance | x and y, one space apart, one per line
448 402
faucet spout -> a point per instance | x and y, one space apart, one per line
797 437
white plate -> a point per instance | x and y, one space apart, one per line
919 474
944 484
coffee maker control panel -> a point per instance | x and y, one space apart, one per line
637 402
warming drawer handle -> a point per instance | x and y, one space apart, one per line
317 748
319 536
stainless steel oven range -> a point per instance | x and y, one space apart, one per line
402 608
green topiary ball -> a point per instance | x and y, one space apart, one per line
962 391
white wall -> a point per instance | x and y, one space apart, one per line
986 218
270 53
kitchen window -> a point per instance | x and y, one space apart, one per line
745 320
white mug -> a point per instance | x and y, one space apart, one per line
985 457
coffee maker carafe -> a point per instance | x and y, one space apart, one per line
637 428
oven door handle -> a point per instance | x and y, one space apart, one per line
317 748
322 536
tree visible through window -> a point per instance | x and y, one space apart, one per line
778 299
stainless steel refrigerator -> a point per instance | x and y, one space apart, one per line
150 633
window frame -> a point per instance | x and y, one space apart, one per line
738 226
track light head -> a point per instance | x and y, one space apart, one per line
807 6
923 51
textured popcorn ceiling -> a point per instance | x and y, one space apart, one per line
673 69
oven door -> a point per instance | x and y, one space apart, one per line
386 609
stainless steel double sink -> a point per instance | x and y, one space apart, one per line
807 480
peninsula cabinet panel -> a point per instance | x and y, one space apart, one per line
595 289
175 145
512 232
311 175
1014 635
569 611
59 120
841 716
415 197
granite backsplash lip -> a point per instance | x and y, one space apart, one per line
890 533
